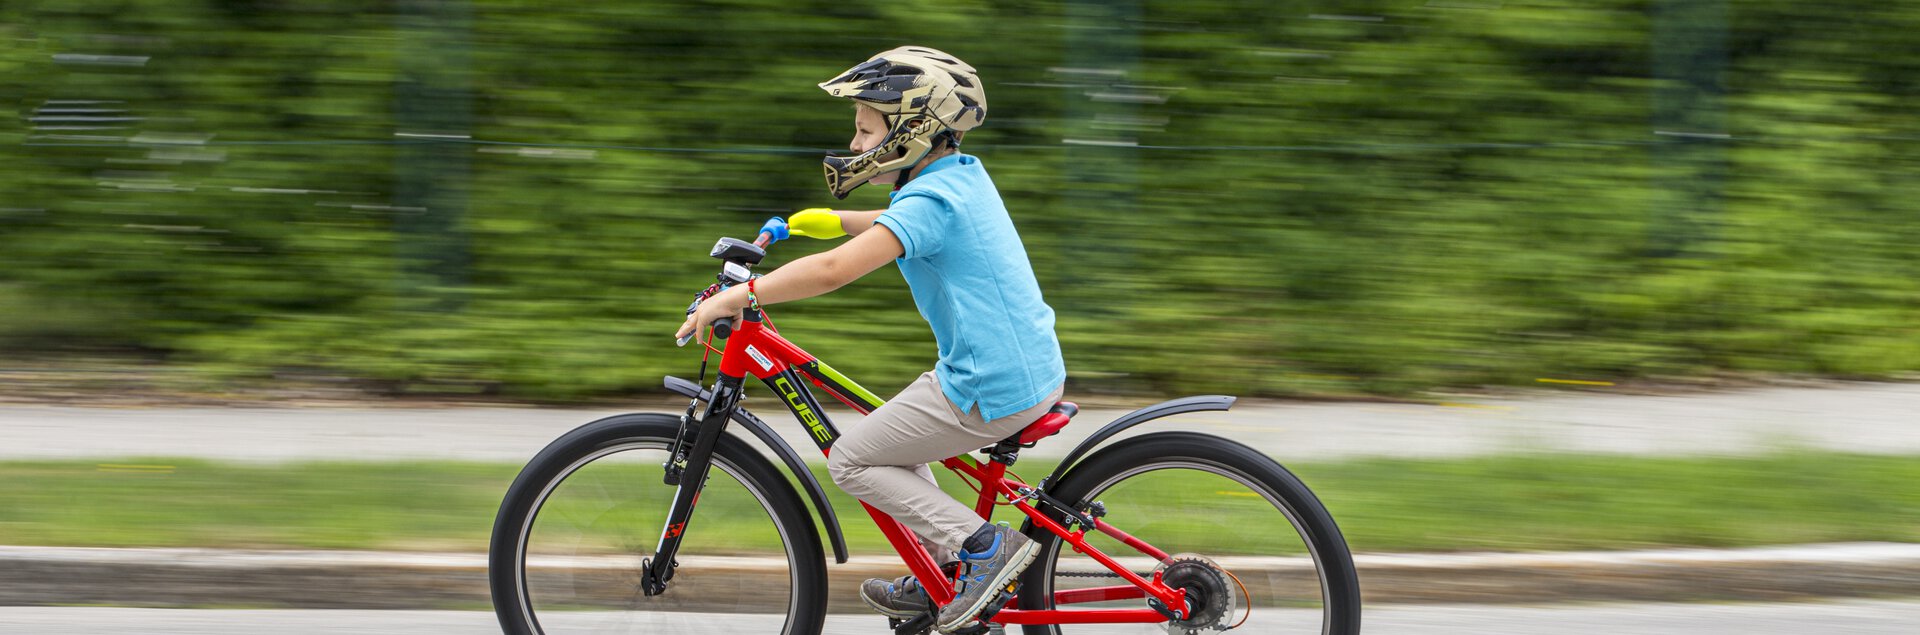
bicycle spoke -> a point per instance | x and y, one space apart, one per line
1193 508
595 528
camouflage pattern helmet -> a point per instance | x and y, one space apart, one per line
924 95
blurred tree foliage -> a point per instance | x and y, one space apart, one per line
1310 197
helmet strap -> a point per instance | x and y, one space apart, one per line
906 174
946 137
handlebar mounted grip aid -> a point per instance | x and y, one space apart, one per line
816 222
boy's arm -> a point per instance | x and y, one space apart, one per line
828 270
803 278
855 222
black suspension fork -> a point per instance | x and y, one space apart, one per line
692 476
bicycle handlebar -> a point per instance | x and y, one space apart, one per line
773 231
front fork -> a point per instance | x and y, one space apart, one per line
690 470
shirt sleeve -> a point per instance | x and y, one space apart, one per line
919 222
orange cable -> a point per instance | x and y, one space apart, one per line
1243 594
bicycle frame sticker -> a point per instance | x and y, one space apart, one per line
842 388
765 364
804 408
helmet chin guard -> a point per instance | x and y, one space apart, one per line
898 151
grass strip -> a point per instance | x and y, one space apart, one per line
1533 502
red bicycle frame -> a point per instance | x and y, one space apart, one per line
757 349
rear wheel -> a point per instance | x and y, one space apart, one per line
589 509
1239 531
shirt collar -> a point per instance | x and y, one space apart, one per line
943 163
937 165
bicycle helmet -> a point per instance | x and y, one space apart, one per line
926 96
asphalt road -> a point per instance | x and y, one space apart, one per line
1858 417
1851 617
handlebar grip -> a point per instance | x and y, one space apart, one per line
775 230
723 328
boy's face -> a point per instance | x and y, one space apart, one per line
869 128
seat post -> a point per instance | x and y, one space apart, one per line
1006 451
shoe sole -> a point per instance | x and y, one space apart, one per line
1024 557
887 611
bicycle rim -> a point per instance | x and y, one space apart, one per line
580 553
1192 506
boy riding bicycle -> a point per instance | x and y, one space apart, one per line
1000 366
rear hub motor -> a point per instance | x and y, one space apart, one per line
1212 596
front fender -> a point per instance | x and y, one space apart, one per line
787 455
1137 417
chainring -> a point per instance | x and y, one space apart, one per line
1212 597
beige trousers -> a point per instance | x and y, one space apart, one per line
883 460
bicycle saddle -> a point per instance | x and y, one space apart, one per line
1049 424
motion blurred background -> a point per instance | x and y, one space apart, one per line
511 201
1315 198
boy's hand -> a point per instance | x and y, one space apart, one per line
725 304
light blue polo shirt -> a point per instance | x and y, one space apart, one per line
971 279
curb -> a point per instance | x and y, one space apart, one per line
37 576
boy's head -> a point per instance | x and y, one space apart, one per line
910 100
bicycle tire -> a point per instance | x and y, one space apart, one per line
519 511
1108 468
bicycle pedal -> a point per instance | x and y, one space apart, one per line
921 624
993 607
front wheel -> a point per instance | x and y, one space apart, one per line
1238 531
589 509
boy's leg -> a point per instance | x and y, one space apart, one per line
876 460
941 555
883 461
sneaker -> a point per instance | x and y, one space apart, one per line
902 598
984 574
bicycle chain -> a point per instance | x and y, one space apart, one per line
1096 574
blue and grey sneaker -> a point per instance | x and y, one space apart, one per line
984 573
902 598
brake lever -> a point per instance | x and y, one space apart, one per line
695 305
697 297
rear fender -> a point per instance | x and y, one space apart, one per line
1137 417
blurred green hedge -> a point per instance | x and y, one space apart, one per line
1322 198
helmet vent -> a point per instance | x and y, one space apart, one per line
962 80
